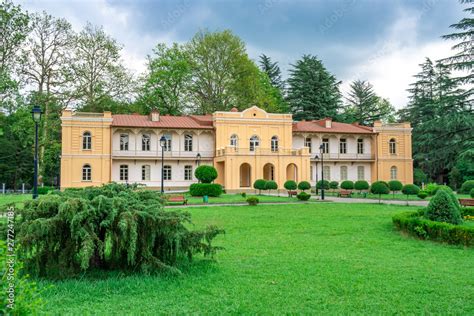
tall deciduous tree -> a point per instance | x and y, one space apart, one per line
313 92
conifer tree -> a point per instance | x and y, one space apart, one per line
272 70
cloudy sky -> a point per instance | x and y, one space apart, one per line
381 41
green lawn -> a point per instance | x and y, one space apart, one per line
318 258
237 198
13 198
396 196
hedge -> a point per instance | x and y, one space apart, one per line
414 224
44 190
347 185
303 196
253 200
467 186
304 185
209 189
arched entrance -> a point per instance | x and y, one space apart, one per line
292 172
269 172
245 175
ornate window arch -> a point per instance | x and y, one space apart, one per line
274 143
254 142
234 140
393 173
392 145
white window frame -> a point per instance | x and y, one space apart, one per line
360 173
146 172
393 173
325 143
86 140
188 173
343 173
274 143
167 170
308 143
168 143
86 172
254 142
360 146
343 146
146 142
124 142
392 146
123 173
234 140
327 173
188 142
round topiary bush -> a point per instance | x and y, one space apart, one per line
395 185
361 185
303 196
304 185
430 188
209 189
347 185
323 184
442 187
271 185
259 185
410 189
290 185
472 193
442 209
253 200
467 186
334 185
205 174
379 187
422 194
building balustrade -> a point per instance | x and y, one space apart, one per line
348 156
157 154
238 151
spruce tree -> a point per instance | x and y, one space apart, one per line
272 70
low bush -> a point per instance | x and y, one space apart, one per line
252 200
361 185
323 184
414 224
442 208
472 193
109 227
303 196
209 189
467 186
259 185
379 187
304 185
290 185
430 188
243 194
394 186
205 174
422 194
271 185
347 185
442 187
44 190
334 185
410 189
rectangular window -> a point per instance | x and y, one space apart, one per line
123 141
86 173
327 173
343 173
188 173
188 142
325 146
360 146
146 172
342 146
168 142
167 173
308 143
86 141
311 176
146 138
360 173
123 172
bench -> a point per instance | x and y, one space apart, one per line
291 193
466 202
345 193
178 199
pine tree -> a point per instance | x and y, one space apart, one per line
272 70
313 92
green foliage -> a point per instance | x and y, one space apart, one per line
108 227
271 185
290 185
422 194
379 187
361 185
472 193
419 177
414 224
467 186
334 185
442 187
347 185
205 174
410 189
303 196
430 188
272 70
243 194
323 184
259 185
443 209
209 189
395 185
304 185
252 200
45 190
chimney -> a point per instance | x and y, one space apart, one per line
155 116
328 122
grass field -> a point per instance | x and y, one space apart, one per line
291 259
13 198
237 198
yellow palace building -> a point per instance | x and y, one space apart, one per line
98 148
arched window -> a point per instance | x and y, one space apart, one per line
274 143
166 172
360 173
86 173
188 142
393 173
146 172
87 141
123 141
254 142
392 146
123 172
233 140
146 142
327 173
343 173
360 146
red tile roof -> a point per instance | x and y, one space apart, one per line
166 121
319 126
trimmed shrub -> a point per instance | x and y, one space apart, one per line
209 189
44 190
430 188
467 186
422 194
271 185
414 224
290 185
379 187
442 209
304 185
259 185
347 185
303 196
243 194
395 185
442 187
361 185
334 185
205 174
253 200
320 184
472 193
410 189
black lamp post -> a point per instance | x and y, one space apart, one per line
322 171
316 158
162 144
198 159
36 114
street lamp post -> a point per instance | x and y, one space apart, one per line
198 159
322 171
36 114
316 158
162 144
